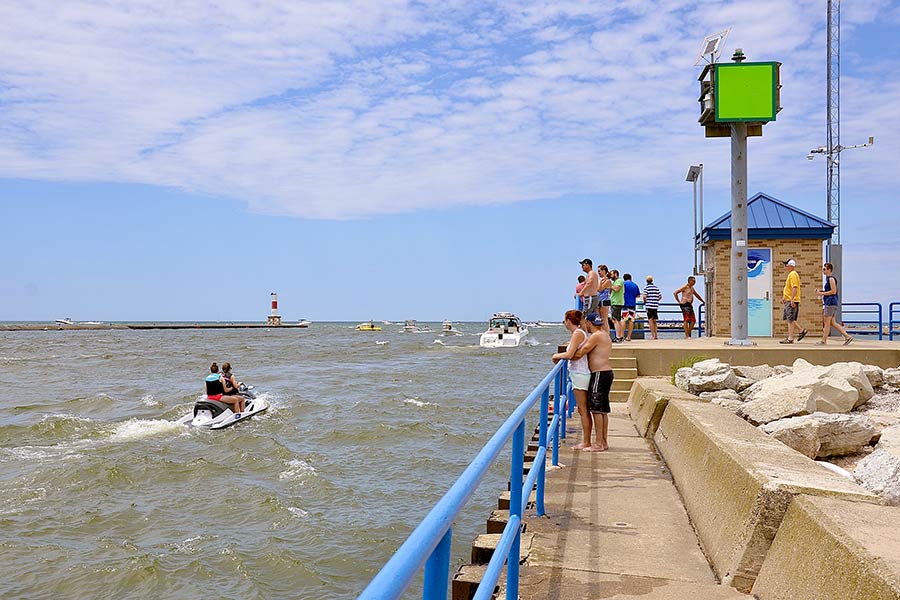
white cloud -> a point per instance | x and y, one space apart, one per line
349 109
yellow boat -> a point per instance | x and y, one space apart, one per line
368 326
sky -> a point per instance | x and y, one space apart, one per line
393 159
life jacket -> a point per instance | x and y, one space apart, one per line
214 385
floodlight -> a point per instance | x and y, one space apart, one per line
693 173
712 47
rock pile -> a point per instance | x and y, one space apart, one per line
819 411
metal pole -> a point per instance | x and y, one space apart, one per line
707 284
739 317
695 229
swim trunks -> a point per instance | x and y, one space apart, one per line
617 312
598 391
629 313
790 313
653 313
687 310
590 304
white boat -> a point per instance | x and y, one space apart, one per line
447 328
212 414
66 321
411 327
303 323
505 330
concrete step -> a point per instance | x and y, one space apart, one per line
503 500
622 385
623 373
466 581
619 396
498 520
627 362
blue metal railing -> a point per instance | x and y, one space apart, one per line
893 310
862 325
673 323
429 544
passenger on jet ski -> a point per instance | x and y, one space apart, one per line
232 385
215 390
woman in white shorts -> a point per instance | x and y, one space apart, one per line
579 372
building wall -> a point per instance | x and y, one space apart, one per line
809 257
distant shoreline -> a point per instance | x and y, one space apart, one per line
147 325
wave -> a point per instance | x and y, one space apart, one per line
419 403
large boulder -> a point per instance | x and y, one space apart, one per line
782 369
890 439
727 394
821 435
777 403
875 375
879 472
728 404
855 374
892 377
710 366
706 376
754 372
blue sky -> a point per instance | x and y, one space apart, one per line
395 159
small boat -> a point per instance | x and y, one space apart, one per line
66 321
447 328
368 326
505 330
303 323
212 414
411 327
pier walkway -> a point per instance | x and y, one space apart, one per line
615 528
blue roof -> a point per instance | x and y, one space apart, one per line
769 217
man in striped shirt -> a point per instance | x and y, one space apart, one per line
652 297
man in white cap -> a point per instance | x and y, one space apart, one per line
791 298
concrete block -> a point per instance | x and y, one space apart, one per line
484 545
737 483
466 580
828 548
647 403
503 500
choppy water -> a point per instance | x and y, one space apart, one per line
102 496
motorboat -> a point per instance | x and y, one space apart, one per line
303 323
66 321
505 330
368 326
212 414
411 327
447 328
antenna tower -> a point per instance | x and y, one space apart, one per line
833 143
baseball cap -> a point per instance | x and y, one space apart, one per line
594 318
790 263
588 261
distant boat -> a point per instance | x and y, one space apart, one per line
411 327
447 328
368 326
66 321
505 330
303 323
90 323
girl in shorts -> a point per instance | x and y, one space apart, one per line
579 372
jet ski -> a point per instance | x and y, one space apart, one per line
212 414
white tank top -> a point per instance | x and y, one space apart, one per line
579 365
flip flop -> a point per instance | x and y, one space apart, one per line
820 343
786 342
802 335
848 340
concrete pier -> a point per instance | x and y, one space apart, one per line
616 528
160 325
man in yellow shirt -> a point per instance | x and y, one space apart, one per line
791 298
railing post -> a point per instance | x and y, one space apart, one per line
700 320
542 441
564 385
880 324
437 570
515 508
557 404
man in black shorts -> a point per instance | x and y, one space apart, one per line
598 348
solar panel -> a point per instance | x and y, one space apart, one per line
712 47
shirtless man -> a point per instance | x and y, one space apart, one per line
591 287
686 302
598 348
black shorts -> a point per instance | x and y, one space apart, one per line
604 303
617 312
653 313
598 391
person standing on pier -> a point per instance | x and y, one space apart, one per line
579 301
591 287
617 299
579 372
652 298
629 312
830 305
791 298
686 302
603 295
598 349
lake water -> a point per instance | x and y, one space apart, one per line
103 496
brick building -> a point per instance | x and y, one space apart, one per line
776 232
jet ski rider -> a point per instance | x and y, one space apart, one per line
216 390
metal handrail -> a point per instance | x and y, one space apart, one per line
892 321
870 308
671 308
429 544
